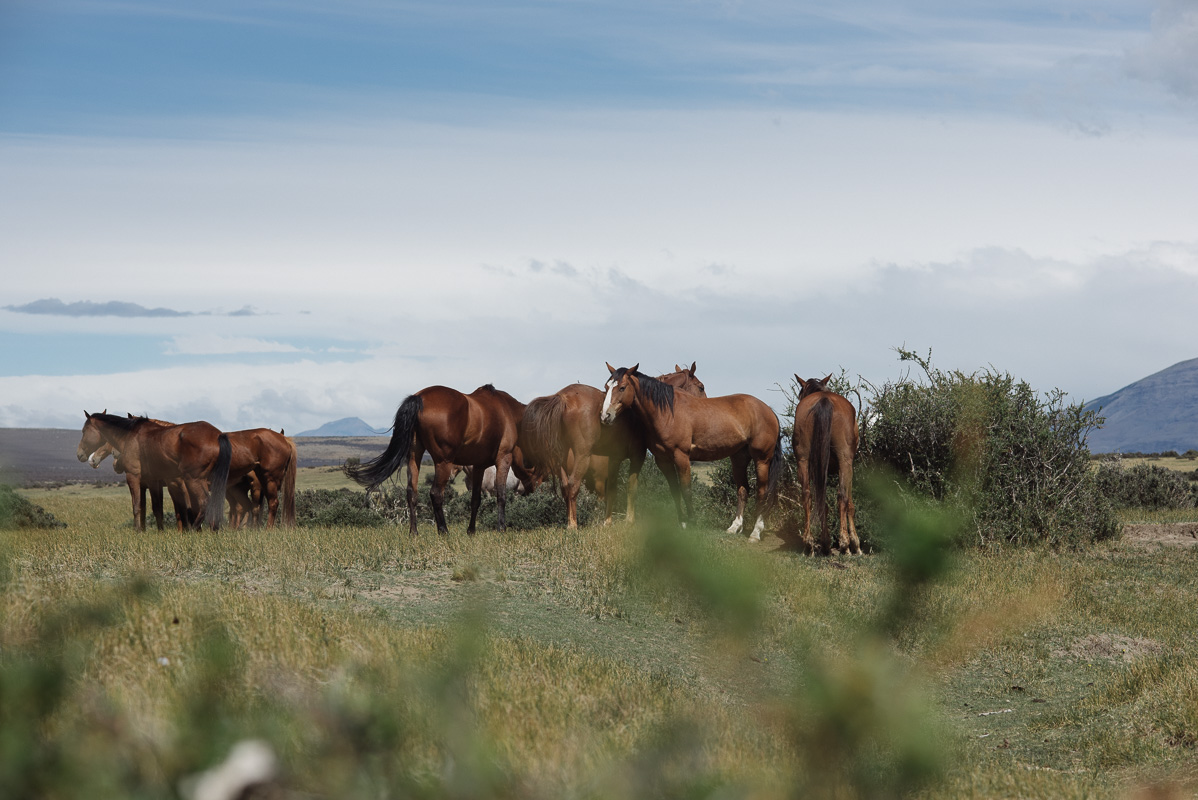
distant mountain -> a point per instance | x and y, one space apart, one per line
1152 415
350 426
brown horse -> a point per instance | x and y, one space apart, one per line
269 459
195 453
562 435
266 462
477 429
680 427
185 516
825 434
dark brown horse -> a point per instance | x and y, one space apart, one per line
680 428
479 429
562 435
270 460
195 454
825 437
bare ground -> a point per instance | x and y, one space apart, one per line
1154 536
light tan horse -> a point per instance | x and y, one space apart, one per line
562 435
825 437
680 428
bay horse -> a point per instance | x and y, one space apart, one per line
185 516
265 461
562 435
479 429
825 434
194 453
680 428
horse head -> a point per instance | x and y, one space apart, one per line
812 385
91 439
620 392
685 380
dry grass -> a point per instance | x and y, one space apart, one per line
564 664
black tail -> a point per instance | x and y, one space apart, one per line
777 467
820 459
377 470
541 435
214 512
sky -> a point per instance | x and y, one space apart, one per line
279 214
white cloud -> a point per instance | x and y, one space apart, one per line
216 344
1169 55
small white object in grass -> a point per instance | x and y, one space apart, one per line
250 763
163 661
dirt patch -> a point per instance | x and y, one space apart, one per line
1157 535
1109 647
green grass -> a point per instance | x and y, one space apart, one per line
607 662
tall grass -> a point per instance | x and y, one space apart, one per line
606 662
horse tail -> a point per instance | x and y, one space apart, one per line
289 485
379 469
777 465
541 434
821 457
214 513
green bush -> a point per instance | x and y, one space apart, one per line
1012 460
1143 486
17 512
340 507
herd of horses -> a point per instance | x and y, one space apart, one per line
578 435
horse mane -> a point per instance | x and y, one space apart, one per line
490 387
659 393
116 421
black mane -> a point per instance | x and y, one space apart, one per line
660 394
124 423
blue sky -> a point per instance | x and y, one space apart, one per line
341 203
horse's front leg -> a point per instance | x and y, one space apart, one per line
635 462
156 504
476 498
136 495
670 470
683 464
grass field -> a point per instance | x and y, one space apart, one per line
608 662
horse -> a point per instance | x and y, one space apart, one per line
266 461
562 435
185 516
479 429
195 453
270 459
825 433
514 484
680 427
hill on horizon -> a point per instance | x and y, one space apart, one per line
1153 415
347 426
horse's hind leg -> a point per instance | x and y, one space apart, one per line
740 475
414 457
844 501
635 462
763 484
441 475
572 487
802 468
502 465
156 504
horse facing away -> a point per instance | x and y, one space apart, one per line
681 428
479 429
562 435
825 434
195 453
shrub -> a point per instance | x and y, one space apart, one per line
17 512
1143 486
338 507
1012 460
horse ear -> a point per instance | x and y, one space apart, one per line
800 380
86 415
692 369
610 368
635 367
824 382
678 368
